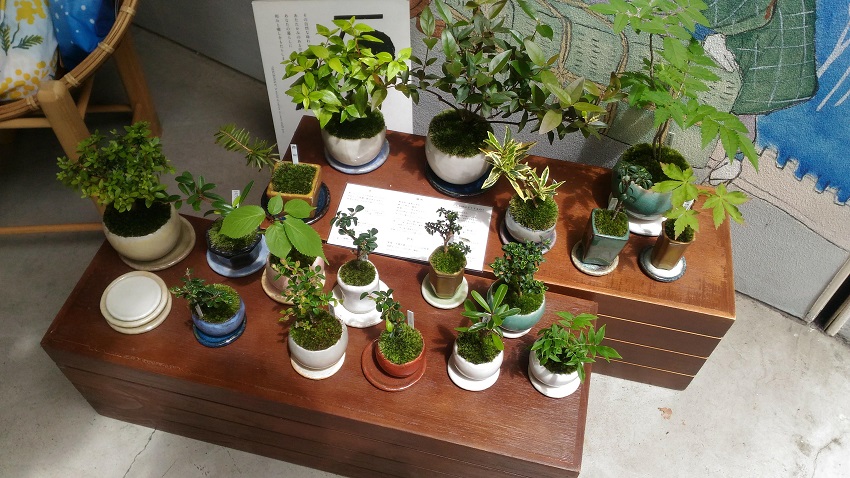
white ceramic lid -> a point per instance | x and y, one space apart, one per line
134 296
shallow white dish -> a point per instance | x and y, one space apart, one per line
351 319
466 383
157 320
134 299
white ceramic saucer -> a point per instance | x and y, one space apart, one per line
313 374
450 303
351 319
134 299
159 319
514 334
466 383
661 275
181 250
553 392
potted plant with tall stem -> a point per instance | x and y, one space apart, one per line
122 175
516 270
532 211
344 82
288 180
493 74
607 230
558 356
317 339
400 349
359 275
478 351
218 312
443 287
676 72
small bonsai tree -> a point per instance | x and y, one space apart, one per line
399 342
516 271
342 79
358 271
451 257
314 328
214 303
482 341
561 351
534 205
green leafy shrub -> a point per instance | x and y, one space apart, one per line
561 351
314 328
399 342
213 303
516 270
138 220
452 132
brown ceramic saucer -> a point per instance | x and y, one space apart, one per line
381 380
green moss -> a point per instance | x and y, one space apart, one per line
357 272
402 346
225 310
527 303
534 215
559 367
641 155
452 134
228 244
610 225
447 262
318 334
293 178
138 221
359 128
686 236
476 347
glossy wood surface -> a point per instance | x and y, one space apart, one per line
246 395
690 315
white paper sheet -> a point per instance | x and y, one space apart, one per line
400 220
284 26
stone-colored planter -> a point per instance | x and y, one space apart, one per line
666 253
223 328
473 371
312 197
444 285
454 169
522 234
600 249
319 359
351 295
354 152
150 247
281 283
399 370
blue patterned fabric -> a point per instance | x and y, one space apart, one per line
79 26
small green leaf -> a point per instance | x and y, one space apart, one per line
551 120
535 52
298 208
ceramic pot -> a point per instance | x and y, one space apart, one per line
454 169
666 253
223 328
351 295
282 283
600 249
642 203
150 247
354 152
547 377
473 371
399 370
520 322
523 234
312 197
319 359
444 285
235 260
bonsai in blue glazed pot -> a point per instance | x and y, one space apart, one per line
218 312
516 270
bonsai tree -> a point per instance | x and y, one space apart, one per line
560 351
399 342
451 256
213 303
516 272
358 271
314 327
341 79
482 341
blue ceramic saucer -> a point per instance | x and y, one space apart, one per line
372 165
456 190
258 263
210 341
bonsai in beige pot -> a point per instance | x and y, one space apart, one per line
445 286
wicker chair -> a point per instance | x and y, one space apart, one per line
55 107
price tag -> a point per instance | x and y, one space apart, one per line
293 148
410 319
234 193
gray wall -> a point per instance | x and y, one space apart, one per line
778 260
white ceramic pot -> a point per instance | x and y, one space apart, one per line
454 169
282 282
351 295
547 377
150 247
473 371
319 359
522 233
354 152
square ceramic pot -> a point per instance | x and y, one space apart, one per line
311 198
600 249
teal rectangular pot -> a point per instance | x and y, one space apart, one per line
600 249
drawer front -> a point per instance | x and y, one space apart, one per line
657 336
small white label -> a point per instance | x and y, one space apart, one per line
294 149
331 309
410 319
234 193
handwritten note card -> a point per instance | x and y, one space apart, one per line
400 220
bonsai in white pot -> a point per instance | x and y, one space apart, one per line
218 312
343 82
557 358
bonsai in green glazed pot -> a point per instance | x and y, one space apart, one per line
516 271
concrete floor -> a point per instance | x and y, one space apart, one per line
770 402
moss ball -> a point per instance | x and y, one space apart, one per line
476 347
609 224
459 134
447 262
402 346
293 178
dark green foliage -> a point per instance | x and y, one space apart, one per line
357 128
642 155
560 351
365 242
516 270
402 345
214 303
318 333
137 221
451 257
473 348
225 309
293 178
229 244
257 151
198 191
608 223
448 262
687 234
533 213
459 133
357 272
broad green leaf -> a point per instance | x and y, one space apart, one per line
320 51
242 221
527 8
277 241
443 11
275 205
450 47
427 22
298 208
535 52
304 237
499 61
551 120
545 31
